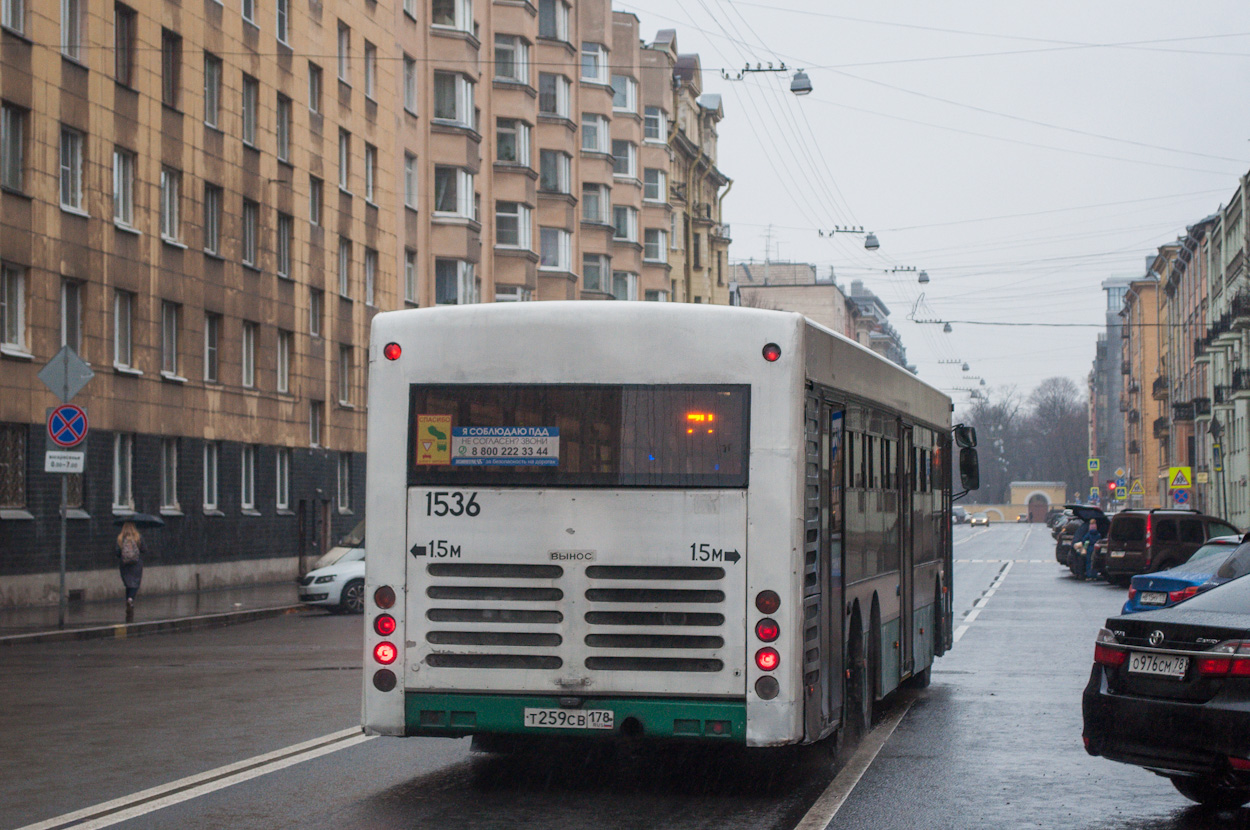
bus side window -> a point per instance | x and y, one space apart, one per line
870 472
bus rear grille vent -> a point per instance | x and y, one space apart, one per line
492 615
666 619
493 571
492 638
653 595
653 641
493 661
654 572
494 594
687 664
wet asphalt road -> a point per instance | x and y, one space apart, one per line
994 742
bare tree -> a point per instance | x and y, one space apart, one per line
996 416
1058 433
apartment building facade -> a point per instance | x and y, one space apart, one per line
210 204
1139 362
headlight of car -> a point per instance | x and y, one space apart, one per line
321 580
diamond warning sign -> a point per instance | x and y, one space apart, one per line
1180 478
433 439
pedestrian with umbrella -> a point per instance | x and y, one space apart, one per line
130 552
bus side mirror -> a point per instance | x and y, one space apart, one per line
969 469
965 436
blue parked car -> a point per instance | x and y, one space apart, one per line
1222 558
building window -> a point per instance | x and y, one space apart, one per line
511 59
284 128
248 8
123 186
286 226
123 43
169 473
13 306
556 249
624 223
13 465
345 266
210 475
512 225
282 479
345 53
314 200
453 98
553 95
13 15
251 222
345 482
123 463
410 85
512 141
71 168
624 93
675 232
251 91
247 477
345 375
212 219
371 275
696 252
624 159
12 140
653 296
345 160
316 411
454 14
248 358
654 185
123 339
555 171
596 137
624 285
595 63
371 70
285 339
655 245
410 276
169 339
553 19
453 191
316 311
212 90
371 165
410 8
71 315
410 181
655 125
72 28
454 282
171 68
282 9
212 339
314 87
594 272
171 187
595 203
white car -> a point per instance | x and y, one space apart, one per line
979 519
337 580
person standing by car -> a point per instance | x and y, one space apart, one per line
1086 543
130 553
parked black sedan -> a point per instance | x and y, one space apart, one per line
1170 691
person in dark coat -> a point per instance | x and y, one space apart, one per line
1087 543
130 552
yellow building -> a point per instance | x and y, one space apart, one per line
1140 366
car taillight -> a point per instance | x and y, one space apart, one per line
767 602
1230 658
385 653
767 659
1132 592
1108 651
384 625
1239 764
767 630
1149 530
1183 594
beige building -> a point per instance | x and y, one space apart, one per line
1144 433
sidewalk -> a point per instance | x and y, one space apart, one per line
153 614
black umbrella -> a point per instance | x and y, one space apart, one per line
140 520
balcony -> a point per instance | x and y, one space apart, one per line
1202 406
1133 416
1159 389
1239 310
1241 382
1161 427
1124 332
1125 367
1124 405
1223 395
1183 411
1133 387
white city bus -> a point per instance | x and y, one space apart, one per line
646 520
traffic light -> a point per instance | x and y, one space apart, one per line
1111 485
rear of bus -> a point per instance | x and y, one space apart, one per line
576 513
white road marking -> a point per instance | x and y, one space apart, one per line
839 789
980 603
194 786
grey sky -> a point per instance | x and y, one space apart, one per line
1073 139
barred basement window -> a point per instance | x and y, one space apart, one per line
12 465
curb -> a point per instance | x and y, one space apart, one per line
141 629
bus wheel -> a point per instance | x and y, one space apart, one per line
858 690
920 679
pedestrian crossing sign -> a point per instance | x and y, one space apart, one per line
1121 494
1137 489
1093 464
1093 494
1180 478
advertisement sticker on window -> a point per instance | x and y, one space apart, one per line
433 446
517 446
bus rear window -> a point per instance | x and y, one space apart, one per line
578 435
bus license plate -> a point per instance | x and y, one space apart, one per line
1154 598
569 718
1166 665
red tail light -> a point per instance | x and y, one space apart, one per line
1149 530
1183 594
767 659
392 351
1239 764
772 352
1132 592
385 653
1108 656
384 596
767 630
384 625
1230 658
767 602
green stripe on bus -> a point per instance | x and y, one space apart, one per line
454 715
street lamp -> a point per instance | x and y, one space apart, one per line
946 329
1216 429
923 278
801 85
871 243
